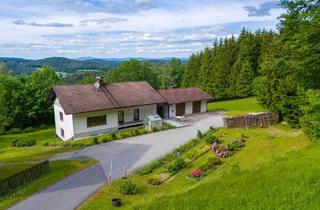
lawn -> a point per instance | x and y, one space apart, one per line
48 144
29 154
263 175
59 170
237 107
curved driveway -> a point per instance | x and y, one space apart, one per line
129 154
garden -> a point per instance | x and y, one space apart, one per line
186 166
202 165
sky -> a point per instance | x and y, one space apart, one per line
125 28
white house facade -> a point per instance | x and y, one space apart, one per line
88 110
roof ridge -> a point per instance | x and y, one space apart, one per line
180 88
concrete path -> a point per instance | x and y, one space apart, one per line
130 153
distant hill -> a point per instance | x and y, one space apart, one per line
66 65
23 66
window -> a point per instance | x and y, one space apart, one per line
120 117
61 116
96 121
136 115
62 132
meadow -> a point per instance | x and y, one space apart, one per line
277 169
237 106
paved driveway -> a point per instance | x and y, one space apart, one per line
130 153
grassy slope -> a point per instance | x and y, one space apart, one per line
59 170
277 170
238 106
288 182
13 154
255 165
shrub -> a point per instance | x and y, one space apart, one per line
14 131
191 155
132 133
127 188
125 135
177 165
95 141
105 139
154 129
28 130
2 131
151 167
66 144
210 139
144 131
136 132
43 126
236 144
113 136
169 157
199 134
77 144
45 144
213 162
23 142
155 180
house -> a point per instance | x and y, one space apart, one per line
87 110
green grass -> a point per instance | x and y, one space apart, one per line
237 107
59 170
261 172
48 144
10 169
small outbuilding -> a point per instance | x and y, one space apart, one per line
183 101
153 122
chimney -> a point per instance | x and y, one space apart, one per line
99 83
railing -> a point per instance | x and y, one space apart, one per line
23 177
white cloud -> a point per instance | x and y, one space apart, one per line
186 25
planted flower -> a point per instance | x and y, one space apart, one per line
214 146
196 172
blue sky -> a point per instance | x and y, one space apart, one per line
125 28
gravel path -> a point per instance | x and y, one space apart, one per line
130 153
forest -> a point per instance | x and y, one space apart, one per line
280 68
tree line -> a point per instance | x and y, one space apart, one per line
228 68
290 70
23 98
282 69
159 76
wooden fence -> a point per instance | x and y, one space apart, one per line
250 120
23 177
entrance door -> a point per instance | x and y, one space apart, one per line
136 115
180 109
121 117
196 106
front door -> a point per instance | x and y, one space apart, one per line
196 106
121 117
136 115
180 109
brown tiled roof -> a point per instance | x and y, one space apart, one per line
134 93
83 98
180 95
